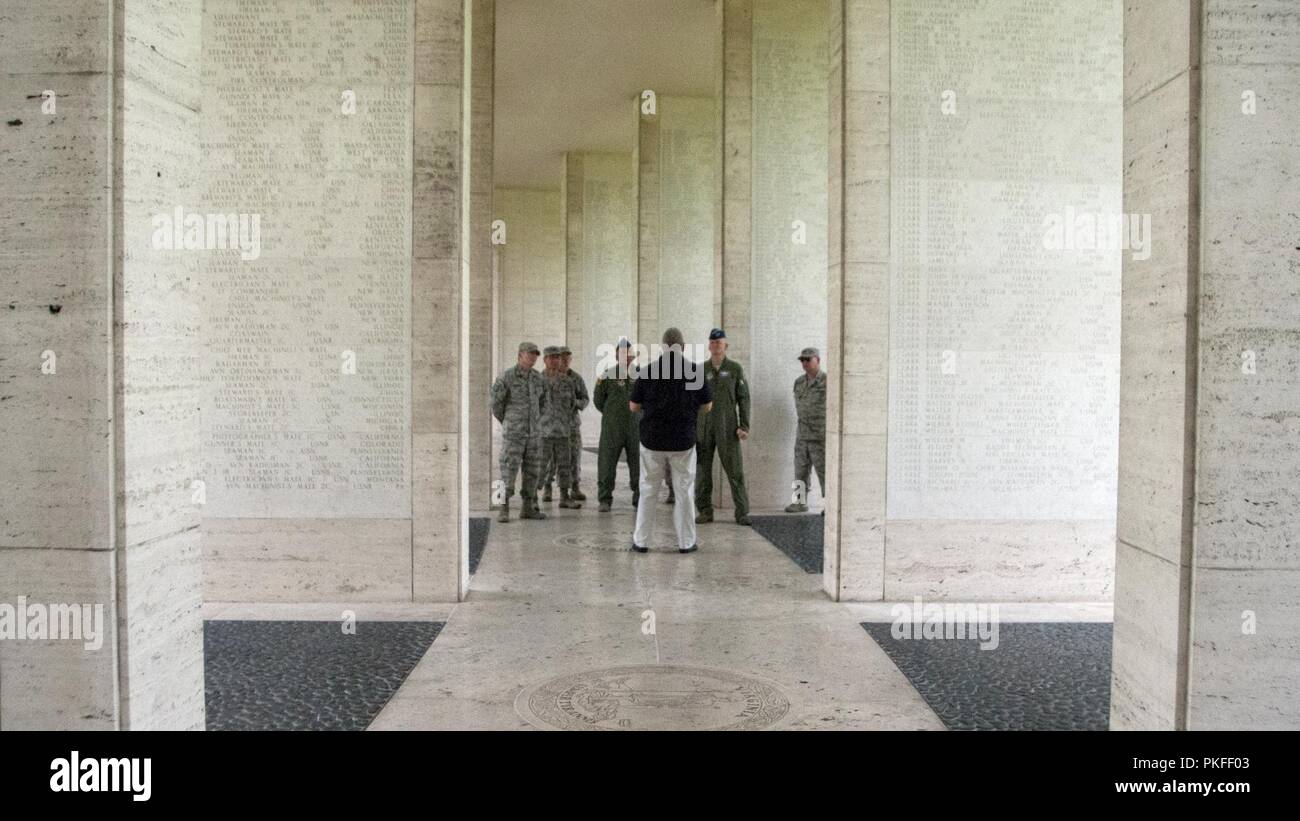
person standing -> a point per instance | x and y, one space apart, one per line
671 397
580 401
557 424
722 429
810 439
518 399
619 428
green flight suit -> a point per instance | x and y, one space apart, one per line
619 432
716 431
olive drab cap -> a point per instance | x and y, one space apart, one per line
528 347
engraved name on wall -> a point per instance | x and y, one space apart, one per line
307 123
1004 355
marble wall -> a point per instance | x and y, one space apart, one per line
477 241
787 277
335 413
675 160
100 364
1206 576
600 265
530 272
998 414
531 269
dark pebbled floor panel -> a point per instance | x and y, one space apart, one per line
478 535
1041 676
797 536
306 675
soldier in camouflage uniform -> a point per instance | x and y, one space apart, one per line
580 401
619 427
810 441
518 399
557 424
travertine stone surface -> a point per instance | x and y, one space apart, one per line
787 296
1209 446
375 240
158 367
600 288
440 276
531 267
676 158
110 436
1247 513
309 346
1003 381
857 353
478 247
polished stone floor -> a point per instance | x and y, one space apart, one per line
566 628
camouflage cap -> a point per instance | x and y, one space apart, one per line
810 353
564 349
551 350
528 347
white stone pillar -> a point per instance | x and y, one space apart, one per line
478 239
600 285
676 187
773 218
1207 574
857 299
100 417
440 305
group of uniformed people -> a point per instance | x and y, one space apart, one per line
540 414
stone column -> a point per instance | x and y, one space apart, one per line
1206 569
600 264
440 305
857 298
676 157
100 375
773 217
531 268
479 248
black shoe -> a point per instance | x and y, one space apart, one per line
690 549
743 520
640 549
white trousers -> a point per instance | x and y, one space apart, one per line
653 463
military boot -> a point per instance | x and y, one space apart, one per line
795 507
546 492
503 512
577 494
530 510
566 500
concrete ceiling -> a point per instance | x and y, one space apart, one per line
568 72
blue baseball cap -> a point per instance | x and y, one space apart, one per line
717 333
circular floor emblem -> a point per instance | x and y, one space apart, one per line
600 540
653 697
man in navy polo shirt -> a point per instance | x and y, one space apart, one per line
669 393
